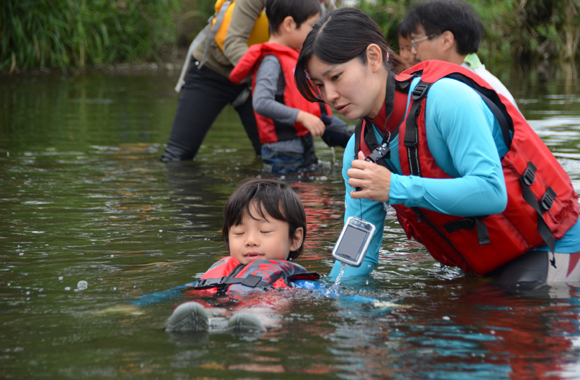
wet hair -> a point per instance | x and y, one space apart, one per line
299 10
438 16
341 36
271 196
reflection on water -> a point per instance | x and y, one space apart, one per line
91 220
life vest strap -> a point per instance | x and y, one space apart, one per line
422 218
469 224
219 18
411 141
210 282
546 202
251 281
505 130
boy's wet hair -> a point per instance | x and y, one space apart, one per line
438 16
271 196
299 10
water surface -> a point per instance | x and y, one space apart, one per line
83 197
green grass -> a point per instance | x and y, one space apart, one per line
79 33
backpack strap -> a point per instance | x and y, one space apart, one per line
219 18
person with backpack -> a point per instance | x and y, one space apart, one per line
465 173
206 89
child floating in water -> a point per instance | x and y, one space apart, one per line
264 231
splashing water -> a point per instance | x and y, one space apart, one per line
334 287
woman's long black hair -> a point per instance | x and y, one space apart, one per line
338 37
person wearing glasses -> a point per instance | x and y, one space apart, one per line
449 30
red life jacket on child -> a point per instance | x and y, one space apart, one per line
228 276
270 130
542 204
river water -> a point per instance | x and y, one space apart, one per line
92 221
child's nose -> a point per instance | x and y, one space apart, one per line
251 239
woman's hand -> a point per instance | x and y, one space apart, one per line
374 180
313 123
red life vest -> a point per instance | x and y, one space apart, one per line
542 204
228 276
270 130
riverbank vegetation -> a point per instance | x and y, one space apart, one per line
82 33
79 33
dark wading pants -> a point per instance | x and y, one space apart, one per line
202 98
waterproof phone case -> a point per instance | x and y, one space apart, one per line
353 241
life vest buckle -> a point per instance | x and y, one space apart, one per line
529 175
420 90
547 200
211 282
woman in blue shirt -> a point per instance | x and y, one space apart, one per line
345 61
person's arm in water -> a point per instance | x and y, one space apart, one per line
371 211
267 78
244 16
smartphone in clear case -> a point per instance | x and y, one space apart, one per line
351 246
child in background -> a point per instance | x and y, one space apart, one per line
264 231
286 121
406 45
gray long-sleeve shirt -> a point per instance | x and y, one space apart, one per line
270 85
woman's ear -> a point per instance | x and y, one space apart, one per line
375 57
297 239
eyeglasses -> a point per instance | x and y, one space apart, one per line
415 42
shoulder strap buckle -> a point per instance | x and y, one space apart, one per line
210 282
420 90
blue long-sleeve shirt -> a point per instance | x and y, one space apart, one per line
466 141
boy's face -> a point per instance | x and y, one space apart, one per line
256 238
405 47
298 34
